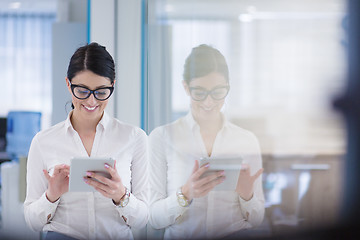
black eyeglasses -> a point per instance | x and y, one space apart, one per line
217 93
101 94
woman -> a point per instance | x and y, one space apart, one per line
118 203
183 201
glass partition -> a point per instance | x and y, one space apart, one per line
286 63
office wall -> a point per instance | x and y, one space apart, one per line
62 49
101 30
128 58
116 24
68 33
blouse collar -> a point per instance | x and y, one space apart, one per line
191 122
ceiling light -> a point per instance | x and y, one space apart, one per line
14 5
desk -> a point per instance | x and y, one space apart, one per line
303 192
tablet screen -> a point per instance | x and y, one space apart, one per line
231 166
79 167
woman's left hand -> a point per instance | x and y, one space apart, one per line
111 188
245 185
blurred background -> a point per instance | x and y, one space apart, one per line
287 61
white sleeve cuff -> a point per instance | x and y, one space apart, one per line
129 208
48 207
252 210
174 207
135 212
248 204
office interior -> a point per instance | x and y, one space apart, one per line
287 62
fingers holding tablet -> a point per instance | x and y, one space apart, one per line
109 186
98 182
112 171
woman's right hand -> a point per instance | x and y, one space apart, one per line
58 183
198 186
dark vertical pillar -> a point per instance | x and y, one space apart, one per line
349 104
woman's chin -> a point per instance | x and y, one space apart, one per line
208 114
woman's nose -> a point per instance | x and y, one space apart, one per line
208 100
91 100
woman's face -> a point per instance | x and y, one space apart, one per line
209 107
89 108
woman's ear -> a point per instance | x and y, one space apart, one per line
186 87
68 84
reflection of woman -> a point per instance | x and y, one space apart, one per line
118 203
181 200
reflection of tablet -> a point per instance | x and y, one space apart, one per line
231 166
79 167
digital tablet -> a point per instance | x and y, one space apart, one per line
231 166
79 167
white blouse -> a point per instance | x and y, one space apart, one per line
88 215
173 149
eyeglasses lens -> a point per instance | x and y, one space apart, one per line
216 94
83 93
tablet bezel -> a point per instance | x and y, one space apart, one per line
222 163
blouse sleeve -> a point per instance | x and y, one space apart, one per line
164 208
38 211
136 211
253 210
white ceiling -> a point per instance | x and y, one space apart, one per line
205 8
233 8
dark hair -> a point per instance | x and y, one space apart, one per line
92 57
204 60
